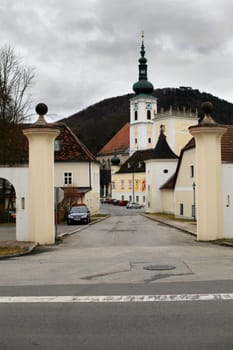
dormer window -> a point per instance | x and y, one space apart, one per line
57 145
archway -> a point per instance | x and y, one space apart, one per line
7 210
14 199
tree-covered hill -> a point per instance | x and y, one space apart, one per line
97 124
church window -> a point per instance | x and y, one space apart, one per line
181 209
136 141
148 114
22 202
192 171
149 140
135 115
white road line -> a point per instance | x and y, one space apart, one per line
117 298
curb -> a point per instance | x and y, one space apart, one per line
171 224
29 245
64 234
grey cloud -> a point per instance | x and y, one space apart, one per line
87 50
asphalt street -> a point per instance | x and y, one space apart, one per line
90 281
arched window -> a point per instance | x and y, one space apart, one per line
149 114
136 141
135 115
149 140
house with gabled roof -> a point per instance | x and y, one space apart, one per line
180 189
76 172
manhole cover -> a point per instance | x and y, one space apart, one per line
159 267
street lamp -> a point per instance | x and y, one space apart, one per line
129 166
194 201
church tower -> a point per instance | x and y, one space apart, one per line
143 107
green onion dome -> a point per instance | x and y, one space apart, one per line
143 86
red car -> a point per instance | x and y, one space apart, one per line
122 203
110 200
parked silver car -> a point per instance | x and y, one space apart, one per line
133 205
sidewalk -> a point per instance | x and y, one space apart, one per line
185 226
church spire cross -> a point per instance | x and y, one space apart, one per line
142 35
143 86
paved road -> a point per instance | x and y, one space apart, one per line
109 258
163 326
117 250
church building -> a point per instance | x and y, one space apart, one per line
153 138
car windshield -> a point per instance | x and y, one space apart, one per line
78 210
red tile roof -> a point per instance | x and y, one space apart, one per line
118 143
227 145
14 150
72 149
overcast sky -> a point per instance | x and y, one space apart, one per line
85 51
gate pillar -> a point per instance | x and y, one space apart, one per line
208 176
41 138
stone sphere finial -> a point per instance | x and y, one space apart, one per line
207 108
41 109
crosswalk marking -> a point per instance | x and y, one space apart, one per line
118 298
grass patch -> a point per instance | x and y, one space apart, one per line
100 216
224 241
5 251
171 217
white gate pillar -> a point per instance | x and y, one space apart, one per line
208 176
41 178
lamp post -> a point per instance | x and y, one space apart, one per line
194 201
133 184
129 166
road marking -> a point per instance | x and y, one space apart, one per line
117 298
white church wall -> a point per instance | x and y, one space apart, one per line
157 173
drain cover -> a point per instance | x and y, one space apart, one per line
159 267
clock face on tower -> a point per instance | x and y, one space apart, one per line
148 105
135 106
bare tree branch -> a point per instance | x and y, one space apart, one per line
15 81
